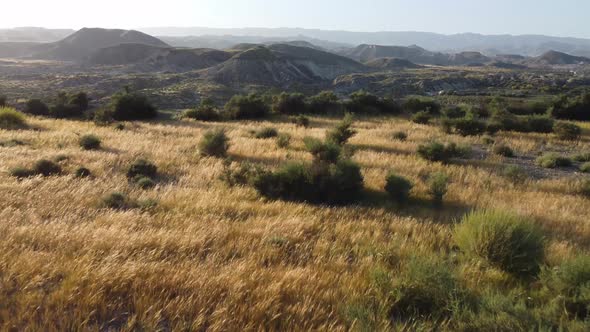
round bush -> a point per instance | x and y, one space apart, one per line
553 160
504 240
11 119
36 107
21 172
515 174
46 168
398 187
503 150
422 117
265 133
301 121
82 172
286 103
247 107
567 131
117 201
130 106
214 144
89 142
400 136
143 168
145 183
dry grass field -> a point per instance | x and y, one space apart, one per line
200 255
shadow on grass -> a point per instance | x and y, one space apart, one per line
380 149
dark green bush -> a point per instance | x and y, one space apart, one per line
435 151
509 242
21 172
342 132
206 111
528 108
422 117
585 167
400 136
90 142
300 120
325 102
414 105
454 112
116 201
398 187
283 141
571 280
567 131
571 108
267 132
289 103
469 126
36 107
251 106
3 101
132 106
46 168
103 117
553 160
214 143
438 184
582 157
539 124
145 182
327 151
80 100
362 102
11 119
142 168
240 175
503 150
82 172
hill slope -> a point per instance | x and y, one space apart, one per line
281 64
391 63
558 58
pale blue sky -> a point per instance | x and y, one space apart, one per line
551 17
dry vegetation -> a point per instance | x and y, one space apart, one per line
209 256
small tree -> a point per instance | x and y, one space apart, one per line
131 106
438 186
291 104
342 132
398 187
90 142
251 106
36 107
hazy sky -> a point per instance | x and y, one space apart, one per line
551 17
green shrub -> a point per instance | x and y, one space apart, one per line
435 151
206 111
80 100
214 143
567 131
582 157
327 151
300 120
251 106
553 160
539 124
414 104
585 167
267 132
503 150
487 140
11 119
422 117
82 172
515 174
438 184
46 168
426 287
132 106
289 103
36 107
2 101
571 108
145 182
454 112
398 187
142 168
64 111
243 174
90 142
102 117
119 126
571 280
283 141
325 102
469 126
116 201
400 136
362 102
509 242
342 132
21 172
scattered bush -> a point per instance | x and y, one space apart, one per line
515 174
567 131
469 126
571 108
46 168
145 182
214 143
21 172
571 280
325 102
116 201
327 151
422 117
582 157
553 160
342 132
438 184
503 150
400 136
528 108
206 111
398 187
36 107
300 120
538 124
283 141
244 174
454 112
267 132
362 102
585 167
506 241
103 117
90 142
132 106
82 172
142 168
11 119
414 105
435 151
251 106
289 103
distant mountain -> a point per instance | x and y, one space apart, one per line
282 65
391 64
31 34
415 54
554 58
528 45
83 43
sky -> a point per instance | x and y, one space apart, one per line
549 17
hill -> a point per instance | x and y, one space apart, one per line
82 44
558 58
391 63
281 64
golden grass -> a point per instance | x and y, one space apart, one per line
219 258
